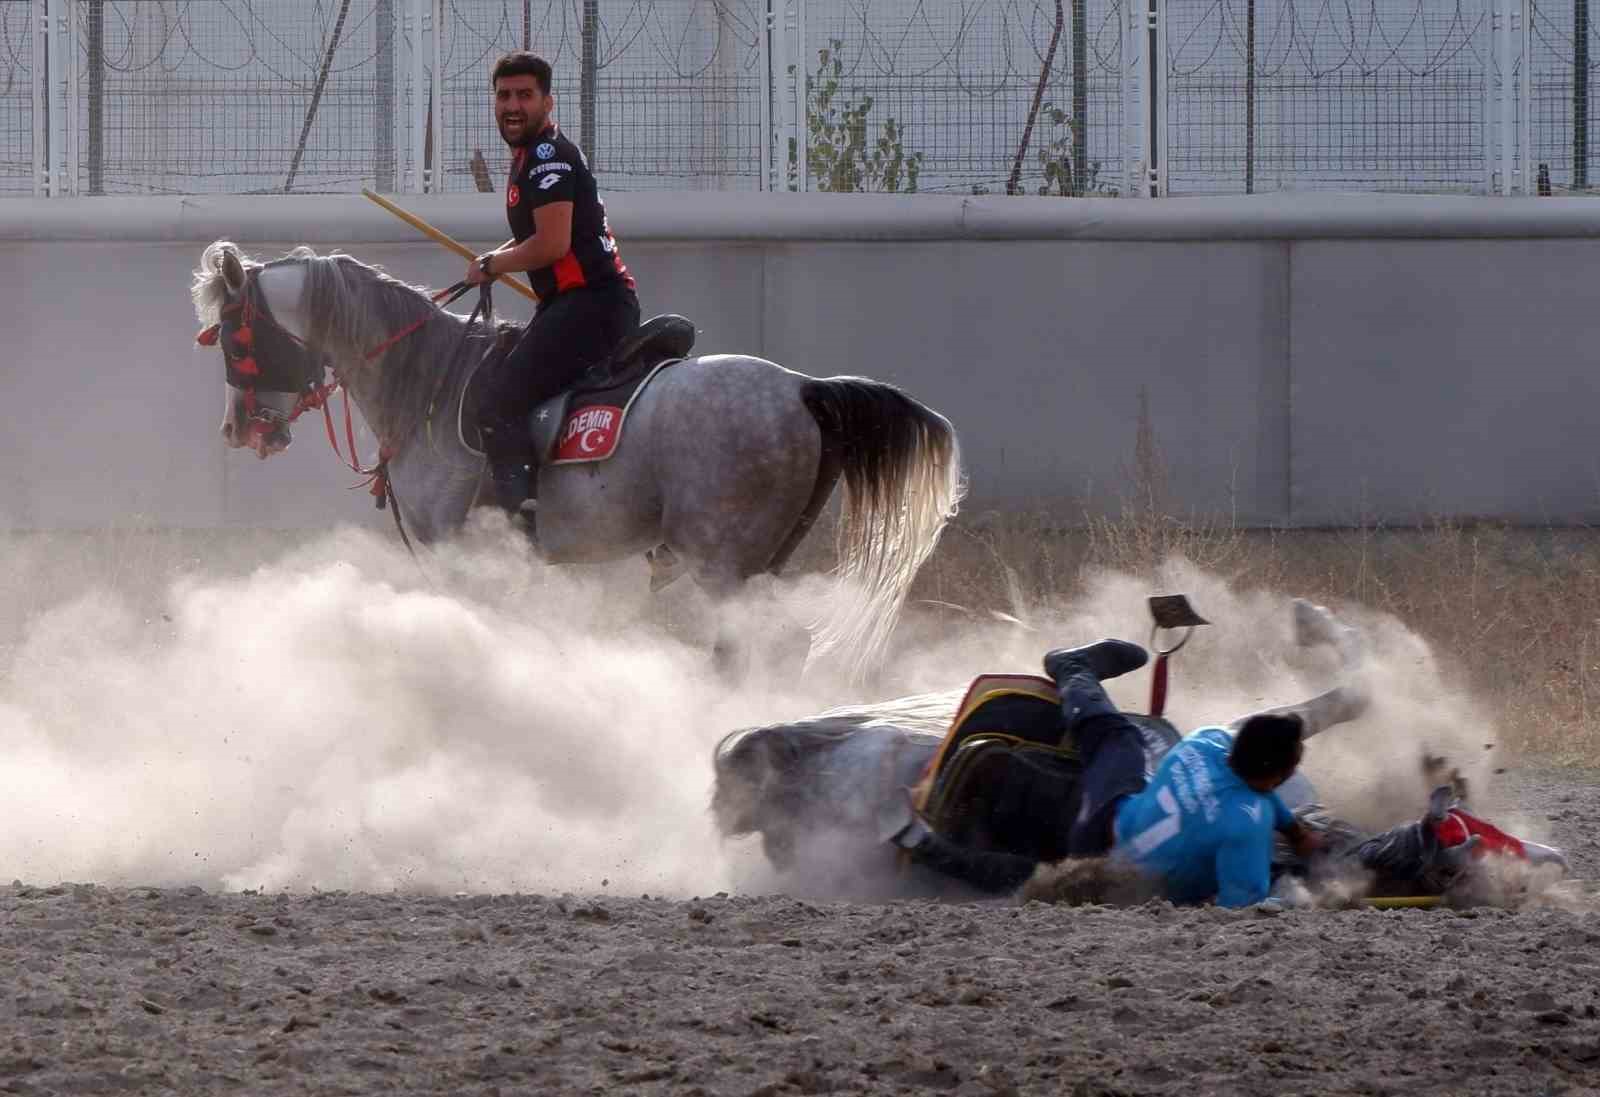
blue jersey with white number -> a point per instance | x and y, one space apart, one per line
1200 828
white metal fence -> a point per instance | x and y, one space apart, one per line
1124 97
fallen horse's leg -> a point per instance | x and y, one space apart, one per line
1347 701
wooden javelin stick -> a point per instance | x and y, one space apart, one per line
440 238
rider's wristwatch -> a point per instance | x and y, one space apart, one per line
484 262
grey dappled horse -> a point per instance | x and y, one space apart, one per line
815 789
726 460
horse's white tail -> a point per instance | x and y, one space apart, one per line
901 465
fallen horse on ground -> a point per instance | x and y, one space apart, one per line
822 793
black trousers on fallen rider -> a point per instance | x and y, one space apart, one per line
1114 768
569 332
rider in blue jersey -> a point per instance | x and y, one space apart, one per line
1203 827
1202 824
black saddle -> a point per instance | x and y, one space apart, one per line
657 340
1007 778
614 379
651 343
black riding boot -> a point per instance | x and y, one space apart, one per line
513 489
1108 743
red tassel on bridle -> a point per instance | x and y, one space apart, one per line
318 395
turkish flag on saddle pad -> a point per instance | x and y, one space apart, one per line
589 434
593 423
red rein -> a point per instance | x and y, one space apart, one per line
378 475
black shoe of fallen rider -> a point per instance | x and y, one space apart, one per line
1104 659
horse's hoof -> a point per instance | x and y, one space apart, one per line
1313 624
664 567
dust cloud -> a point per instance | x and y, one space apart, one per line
318 713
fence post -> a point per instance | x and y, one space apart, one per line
54 115
1513 42
802 100
1134 88
1250 97
778 50
1580 94
1155 143
95 47
436 101
1525 96
38 78
1507 100
419 99
57 95
74 86
1080 96
383 104
768 89
1486 105
588 73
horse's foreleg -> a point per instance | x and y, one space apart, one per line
730 654
1316 625
1339 705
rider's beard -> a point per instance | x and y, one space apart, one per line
533 125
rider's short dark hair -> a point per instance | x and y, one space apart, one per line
1267 746
523 63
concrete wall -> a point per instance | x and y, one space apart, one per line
1307 361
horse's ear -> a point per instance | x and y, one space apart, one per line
232 270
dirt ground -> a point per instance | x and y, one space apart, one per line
141 990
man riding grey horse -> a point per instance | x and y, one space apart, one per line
563 241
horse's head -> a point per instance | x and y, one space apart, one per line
268 367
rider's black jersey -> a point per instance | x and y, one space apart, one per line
548 169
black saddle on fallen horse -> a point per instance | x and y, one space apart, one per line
1006 777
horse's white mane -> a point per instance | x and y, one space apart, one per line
209 290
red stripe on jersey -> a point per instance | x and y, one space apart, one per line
616 262
569 273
